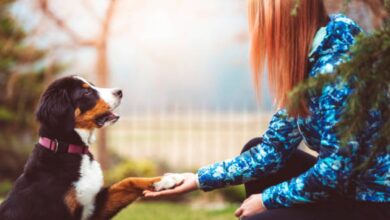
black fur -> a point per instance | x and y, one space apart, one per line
57 106
56 110
38 194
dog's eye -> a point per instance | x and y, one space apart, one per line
87 92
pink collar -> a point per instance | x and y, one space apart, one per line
61 147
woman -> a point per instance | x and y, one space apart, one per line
286 183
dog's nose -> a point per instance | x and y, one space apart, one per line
118 93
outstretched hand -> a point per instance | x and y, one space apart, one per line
251 206
173 185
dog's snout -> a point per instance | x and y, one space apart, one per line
118 93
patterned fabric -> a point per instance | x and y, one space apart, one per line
331 175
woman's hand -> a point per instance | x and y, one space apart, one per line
251 206
187 184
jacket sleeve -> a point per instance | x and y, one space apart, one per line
333 168
279 141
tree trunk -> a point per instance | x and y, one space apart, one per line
103 73
102 80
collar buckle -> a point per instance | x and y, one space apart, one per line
55 147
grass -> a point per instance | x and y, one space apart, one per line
169 211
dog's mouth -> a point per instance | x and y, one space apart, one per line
106 118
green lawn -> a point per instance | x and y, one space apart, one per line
169 211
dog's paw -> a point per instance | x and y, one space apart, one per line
168 181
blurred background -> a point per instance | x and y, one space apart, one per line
182 64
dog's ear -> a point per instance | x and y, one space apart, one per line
55 110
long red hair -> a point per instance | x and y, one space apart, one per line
280 42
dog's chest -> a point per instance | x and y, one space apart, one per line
88 185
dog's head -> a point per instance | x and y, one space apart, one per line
73 103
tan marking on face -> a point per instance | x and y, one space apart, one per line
85 86
86 120
71 201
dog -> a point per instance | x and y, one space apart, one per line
61 179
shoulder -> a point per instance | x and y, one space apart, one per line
335 47
341 19
343 27
341 32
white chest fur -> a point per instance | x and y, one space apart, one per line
89 185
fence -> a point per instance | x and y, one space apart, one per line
185 139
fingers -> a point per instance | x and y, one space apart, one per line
250 207
239 212
168 192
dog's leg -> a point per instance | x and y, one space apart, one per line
112 199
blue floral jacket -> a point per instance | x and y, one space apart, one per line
331 174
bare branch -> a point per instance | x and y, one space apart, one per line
44 6
88 6
108 18
63 46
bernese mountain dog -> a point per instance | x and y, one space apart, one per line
61 179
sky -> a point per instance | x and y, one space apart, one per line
162 53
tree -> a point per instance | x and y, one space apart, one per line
23 73
370 58
99 43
